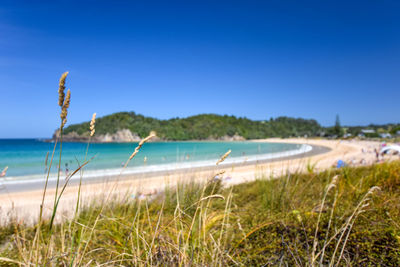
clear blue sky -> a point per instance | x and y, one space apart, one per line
259 59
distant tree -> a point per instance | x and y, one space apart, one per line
338 128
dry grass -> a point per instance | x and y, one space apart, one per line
298 219
340 217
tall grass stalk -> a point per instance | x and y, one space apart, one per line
92 132
63 102
331 186
38 229
141 143
349 224
58 179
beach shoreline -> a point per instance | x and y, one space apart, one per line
24 202
26 183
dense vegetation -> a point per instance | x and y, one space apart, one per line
391 128
200 127
212 126
299 219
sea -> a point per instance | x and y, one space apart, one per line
29 159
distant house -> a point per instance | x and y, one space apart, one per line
398 132
367 131
385 135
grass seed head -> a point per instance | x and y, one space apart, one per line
64 109
61 89
92 124
224 157
144 140
64 122
333 183
67 99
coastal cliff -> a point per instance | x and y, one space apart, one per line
121 136
126 136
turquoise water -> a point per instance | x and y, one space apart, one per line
26 157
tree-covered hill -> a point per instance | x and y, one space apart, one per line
200 127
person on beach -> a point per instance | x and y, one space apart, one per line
66 169
4 172
376 154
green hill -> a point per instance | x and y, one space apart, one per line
199 127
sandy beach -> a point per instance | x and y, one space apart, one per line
25 204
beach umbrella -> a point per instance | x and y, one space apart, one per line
340 164
388 148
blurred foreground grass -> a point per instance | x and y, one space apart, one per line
298 219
